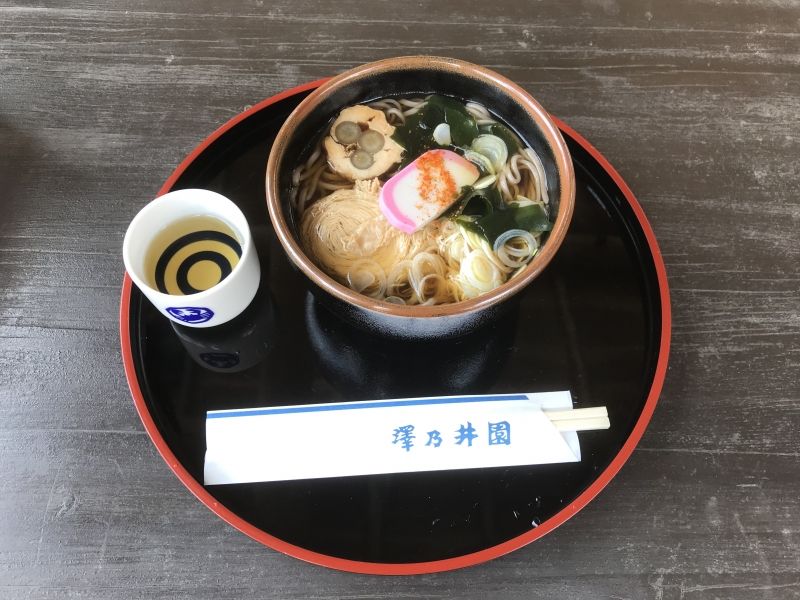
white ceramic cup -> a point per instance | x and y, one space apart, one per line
217 304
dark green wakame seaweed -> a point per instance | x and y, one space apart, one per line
509 138
416 135
484 212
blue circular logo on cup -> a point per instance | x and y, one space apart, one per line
191 314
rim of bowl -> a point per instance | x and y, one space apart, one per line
504 291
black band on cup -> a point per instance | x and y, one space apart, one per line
182 275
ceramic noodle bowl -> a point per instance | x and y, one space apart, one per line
408 77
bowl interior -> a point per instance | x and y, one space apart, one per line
409 82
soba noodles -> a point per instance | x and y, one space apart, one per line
488 234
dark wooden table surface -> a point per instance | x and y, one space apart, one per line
696 104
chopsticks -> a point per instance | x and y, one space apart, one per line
579 419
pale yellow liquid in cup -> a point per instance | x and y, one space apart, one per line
203 274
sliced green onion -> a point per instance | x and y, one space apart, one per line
493 148
478 274
515 247
484 164
368 278
441 134
521 201
484 182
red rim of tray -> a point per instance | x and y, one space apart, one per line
419 567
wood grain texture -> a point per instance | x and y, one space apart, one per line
696 104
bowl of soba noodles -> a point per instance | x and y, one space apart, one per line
419 194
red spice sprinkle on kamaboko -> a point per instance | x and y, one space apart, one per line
435 184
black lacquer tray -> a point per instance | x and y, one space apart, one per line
596 322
